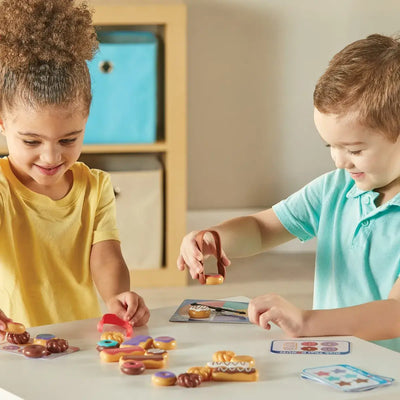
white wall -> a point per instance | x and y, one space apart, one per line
253 65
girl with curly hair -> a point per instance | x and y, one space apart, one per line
57 217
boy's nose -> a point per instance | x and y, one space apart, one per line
340 159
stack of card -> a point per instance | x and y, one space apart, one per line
346 377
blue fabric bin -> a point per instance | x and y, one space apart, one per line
124 87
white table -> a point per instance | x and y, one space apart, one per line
82 375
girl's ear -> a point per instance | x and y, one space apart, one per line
2 127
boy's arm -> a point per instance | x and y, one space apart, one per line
240 237
376 320
253 234
111 277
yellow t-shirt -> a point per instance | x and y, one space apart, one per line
45 246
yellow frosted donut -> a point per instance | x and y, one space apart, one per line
117 336
223 356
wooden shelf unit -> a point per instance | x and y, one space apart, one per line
171 17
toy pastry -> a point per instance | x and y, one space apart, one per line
150 361
141 340
212 279
215 279
113 355
248 359
233 371
15 327
199 311
117 336
132 367
163 378
203 372
223 356
43 338
18 338
57 345
107 344
160 352
112 319
188 380
34 351
164 342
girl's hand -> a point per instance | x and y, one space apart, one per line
273 308
192 258
3 324
129 306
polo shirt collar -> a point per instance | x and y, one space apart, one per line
356 192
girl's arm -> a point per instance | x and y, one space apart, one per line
111 277
376 320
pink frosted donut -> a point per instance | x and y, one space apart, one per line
132 367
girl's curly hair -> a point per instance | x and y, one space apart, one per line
44 45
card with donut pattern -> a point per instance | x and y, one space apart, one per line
310 346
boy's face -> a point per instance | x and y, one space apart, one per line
372 160
43 144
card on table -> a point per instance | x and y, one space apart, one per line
17 349
312 346
232 317
346 377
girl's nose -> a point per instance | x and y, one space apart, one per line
50 155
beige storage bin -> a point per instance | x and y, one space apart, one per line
138 187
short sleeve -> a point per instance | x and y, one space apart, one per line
300 213
105 225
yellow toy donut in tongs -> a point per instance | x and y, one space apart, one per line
212 279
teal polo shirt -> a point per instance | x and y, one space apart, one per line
358 246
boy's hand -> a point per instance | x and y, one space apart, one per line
130 307
273 308
3 324
191 257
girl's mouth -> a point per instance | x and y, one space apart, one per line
48 170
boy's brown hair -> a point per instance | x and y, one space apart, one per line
364 77
44 45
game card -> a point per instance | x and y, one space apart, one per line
310 346
346 377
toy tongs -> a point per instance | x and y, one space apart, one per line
215 279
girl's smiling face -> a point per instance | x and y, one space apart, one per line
43 144
372 160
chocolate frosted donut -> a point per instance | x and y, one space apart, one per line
18 338
57 345
189 380
34 351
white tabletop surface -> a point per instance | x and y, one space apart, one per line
82 375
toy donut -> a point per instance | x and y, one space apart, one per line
199 311
203 372
159 352
150 361
18 338
117 336
212 279
113 355
248 359
163 378
43 338
223 356
132 367
189 380
143 341
107 344
164 342
15 327
34 351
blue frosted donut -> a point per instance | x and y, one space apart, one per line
107 344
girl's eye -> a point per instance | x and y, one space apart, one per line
67 141
31 142
355 153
